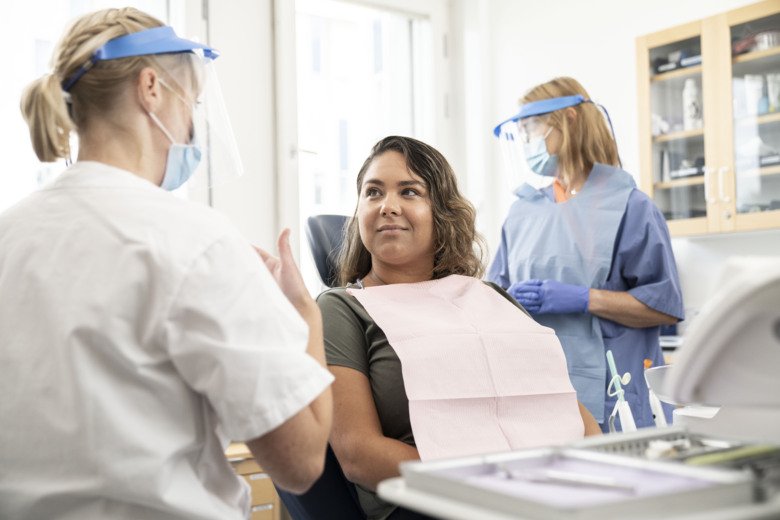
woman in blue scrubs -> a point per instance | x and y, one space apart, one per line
588 255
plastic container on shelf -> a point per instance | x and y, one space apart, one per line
773 91
754 91
691 97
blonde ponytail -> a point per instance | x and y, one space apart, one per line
46 114
96 93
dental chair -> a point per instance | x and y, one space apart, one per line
332 497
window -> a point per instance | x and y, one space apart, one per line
358 79
31 35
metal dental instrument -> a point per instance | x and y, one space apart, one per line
567 478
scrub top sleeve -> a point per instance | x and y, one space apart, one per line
498 272
345 337
235 339
644 257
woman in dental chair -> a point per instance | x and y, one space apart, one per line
429 360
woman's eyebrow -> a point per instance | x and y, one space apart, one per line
400 183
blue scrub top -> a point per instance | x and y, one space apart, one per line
643 265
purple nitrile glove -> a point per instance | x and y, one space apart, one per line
527 294
550 297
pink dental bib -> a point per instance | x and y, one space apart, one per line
480 375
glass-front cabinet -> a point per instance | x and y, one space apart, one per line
709 115
755 90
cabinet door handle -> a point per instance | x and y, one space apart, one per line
707 198
721 188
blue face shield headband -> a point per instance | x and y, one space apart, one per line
159 40
534 152
183 159
545 106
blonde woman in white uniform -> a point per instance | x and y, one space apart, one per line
140 332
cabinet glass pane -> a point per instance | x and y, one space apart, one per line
678 129
756 89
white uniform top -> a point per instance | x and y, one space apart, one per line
138 333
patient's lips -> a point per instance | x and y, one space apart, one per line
391 229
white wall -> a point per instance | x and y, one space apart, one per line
702 260
471 48
243 31
507 46
523 43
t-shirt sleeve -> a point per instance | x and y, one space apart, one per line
644 257
345 337
235 339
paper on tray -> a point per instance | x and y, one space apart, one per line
480 375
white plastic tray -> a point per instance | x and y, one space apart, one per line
658 489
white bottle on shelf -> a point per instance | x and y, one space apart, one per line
691 105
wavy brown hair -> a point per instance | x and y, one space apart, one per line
458 248
586 138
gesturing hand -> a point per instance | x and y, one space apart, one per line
286 273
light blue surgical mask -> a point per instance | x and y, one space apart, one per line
182 160
539 159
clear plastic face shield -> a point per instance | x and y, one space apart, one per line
205 154
533 128
191 79
522 140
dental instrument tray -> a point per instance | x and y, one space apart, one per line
678 445
673 444
562 483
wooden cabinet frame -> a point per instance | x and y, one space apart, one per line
716 68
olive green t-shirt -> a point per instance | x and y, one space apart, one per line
354 340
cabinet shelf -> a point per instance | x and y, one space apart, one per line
768 118
757 55
679 183
762 120
773 117
770 170
760 172
677 73
683 134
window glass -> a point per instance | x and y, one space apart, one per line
32 33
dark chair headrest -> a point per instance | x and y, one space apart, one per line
325 234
